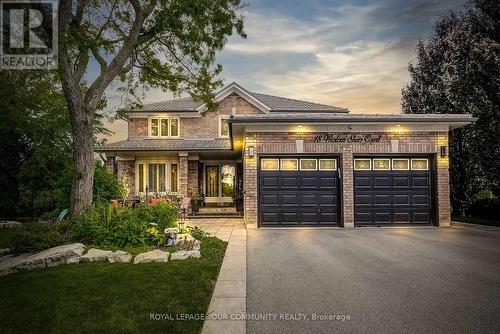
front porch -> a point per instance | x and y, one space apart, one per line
213 176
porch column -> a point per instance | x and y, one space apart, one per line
183 173
193 175
110 164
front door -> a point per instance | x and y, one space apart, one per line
219 183
212 177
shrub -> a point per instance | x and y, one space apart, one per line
37 237
486 208
124 227
213 248
106 186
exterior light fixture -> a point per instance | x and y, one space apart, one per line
444 151
301 126
398 125
182 225
251 151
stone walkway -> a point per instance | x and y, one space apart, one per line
221 228
228 302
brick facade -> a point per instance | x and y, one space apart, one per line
203 127
137 128
207 127
391 142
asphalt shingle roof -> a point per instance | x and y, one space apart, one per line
278 103
166 145
274 103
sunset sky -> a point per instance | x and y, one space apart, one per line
350 54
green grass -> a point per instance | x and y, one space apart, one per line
7 237
107 298
479 221
111 298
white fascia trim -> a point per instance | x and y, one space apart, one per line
235 88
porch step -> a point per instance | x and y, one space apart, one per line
210 210
217 215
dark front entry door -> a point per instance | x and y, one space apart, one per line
392 191
307 196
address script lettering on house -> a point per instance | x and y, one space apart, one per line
354 138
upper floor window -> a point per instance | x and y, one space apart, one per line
223 127
164 127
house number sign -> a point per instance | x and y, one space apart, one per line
354 138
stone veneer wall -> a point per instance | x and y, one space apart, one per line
183 174
126 168
403 142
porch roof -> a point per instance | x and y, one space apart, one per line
166 145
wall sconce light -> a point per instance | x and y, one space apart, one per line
251 151
444 151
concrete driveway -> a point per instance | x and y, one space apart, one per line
402 280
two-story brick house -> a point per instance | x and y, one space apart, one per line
301 163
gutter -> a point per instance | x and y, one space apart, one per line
271 120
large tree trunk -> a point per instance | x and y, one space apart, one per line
83 161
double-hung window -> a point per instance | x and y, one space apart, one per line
164 127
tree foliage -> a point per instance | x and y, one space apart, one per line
170 44
34 130
457 71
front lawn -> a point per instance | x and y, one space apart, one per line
107 298
473 220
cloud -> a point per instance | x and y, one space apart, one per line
337 53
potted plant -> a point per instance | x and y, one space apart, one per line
196 201
238 196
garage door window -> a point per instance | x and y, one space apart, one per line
419 164
270 164
381 164
362 164
308 164
327 164
289 164
400 164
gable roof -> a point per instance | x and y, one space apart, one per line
266 103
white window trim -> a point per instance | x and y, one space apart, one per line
264 159
392 164
383 169
369 160
219 126
327 169
281 164
426 163
168 170
159 127
308 169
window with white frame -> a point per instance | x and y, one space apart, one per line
164 127
157 177
223 126
362 164
419 164
327 164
